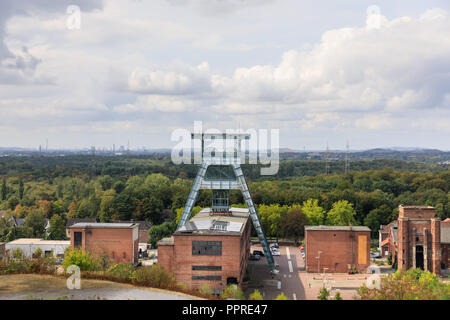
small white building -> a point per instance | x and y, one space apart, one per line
29 246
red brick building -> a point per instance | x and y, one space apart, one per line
337 248
209 249
118 240
420 241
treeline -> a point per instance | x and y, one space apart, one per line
48 168
373 194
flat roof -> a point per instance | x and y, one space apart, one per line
337 228
417 207
102 225
206 223
168 241
39 241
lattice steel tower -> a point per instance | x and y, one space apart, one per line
220 181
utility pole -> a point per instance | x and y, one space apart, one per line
347 159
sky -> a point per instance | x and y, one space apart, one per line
375 74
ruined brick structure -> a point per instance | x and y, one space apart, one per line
421 240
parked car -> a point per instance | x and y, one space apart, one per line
274 245
258 252
375 255
276 253
254 257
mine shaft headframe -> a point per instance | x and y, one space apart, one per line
227 138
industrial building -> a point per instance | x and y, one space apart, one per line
417 239
210 249
120 241
337 248
29 246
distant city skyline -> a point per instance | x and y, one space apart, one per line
374 74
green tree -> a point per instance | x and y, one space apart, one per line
314 213
337 296
152 209
20 189
37 222
373 221
341 214
156 233
293 224
57 229
106 212
4 189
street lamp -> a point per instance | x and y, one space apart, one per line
318 263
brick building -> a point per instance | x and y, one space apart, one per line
421 240
144 226
337 248
118 240
209 249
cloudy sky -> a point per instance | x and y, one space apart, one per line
376 74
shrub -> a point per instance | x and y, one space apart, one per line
205 289
154 276
324 294
337 296
232 292
37 253
413 284
121 271
84 260
256 295
104 262
281 296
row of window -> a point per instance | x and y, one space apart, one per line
210 248
216 278
207 268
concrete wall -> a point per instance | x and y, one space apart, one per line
29 249
341 250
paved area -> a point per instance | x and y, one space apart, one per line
294 282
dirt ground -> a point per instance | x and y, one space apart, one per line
32 286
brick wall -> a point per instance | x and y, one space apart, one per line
178 258
339 250
117 243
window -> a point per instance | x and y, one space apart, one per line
77 239
207 268
209 248
215 278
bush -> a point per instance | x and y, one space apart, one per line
337 296
121 271
37 253
232 292
281 296
205 289
20 264
104 262
413 284
154 276
256 295
84 260
324 294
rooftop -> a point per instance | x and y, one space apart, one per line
418 207
337 228
39 241
206 223
102 225
71 222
